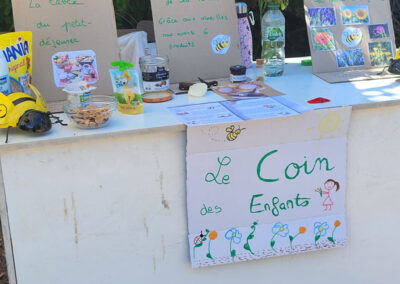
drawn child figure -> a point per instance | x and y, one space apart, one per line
329 185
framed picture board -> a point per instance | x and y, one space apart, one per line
350 40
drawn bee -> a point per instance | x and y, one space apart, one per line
221 45
233 133
352 37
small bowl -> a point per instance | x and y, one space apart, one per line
94 113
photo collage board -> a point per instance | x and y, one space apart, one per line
349 39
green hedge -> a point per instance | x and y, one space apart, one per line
129 12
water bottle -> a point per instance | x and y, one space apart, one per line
273 41
5 86
246 39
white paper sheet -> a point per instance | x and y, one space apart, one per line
233 111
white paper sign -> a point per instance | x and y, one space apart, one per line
266 188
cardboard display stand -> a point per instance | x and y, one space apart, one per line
200 38
350 40
60 26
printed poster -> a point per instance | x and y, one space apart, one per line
253 195
70 66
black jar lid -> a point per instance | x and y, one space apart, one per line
238 70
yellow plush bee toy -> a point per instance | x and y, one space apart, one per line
23 111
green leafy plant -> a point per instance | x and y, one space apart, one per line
250 237
128 13
6 19
331 238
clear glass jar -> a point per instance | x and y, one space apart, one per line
155 73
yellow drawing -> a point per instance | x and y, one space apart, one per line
127 76
233 133
221 45
329 124
352 38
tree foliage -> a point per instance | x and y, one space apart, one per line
129 12
6 18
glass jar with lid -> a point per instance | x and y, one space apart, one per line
155 73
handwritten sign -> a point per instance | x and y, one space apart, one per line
68 25
200 37
350 40
276 187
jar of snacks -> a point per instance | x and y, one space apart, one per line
155 73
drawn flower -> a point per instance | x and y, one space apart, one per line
320 228
322 38
278 229
234 235
336 224
302 230
212 236
347 13
319 190
361 14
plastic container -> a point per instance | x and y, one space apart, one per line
5 86
126 86
273 41
94 113
78 92
245 36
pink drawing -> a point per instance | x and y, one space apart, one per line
329 185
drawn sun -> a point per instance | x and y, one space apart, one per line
329 125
